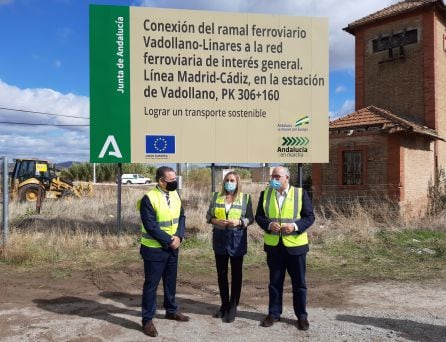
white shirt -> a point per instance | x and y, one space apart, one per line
280 197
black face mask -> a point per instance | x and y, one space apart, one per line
171 186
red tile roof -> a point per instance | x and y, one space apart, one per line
363 117
398 8
386 121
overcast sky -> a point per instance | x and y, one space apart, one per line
44 65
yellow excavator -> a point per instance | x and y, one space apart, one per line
31 176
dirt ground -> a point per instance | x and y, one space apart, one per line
104 305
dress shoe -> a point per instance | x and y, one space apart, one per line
230 314
303 324
149 329
269 320
220 313
177 317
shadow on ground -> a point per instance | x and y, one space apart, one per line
186 306
81 307
407 329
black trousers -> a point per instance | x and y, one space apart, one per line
154 270
279 261
221 262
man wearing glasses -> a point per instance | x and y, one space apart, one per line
285 213
162 229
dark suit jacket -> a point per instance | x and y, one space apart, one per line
305 221
233 241
148 218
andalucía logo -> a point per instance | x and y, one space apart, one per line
295 141
156 144
294 144
302 121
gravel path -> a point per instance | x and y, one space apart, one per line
387 311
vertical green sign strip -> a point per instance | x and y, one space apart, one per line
109 84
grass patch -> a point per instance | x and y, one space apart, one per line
60 273
196 256
68 251
400 255
359 243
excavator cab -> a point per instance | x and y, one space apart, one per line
28 178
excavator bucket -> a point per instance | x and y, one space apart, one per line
84 189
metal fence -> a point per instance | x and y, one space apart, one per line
4 199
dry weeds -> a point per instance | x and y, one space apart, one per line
84 231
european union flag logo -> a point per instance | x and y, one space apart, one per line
160 144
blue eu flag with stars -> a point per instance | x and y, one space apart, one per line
160 144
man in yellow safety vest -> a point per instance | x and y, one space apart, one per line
162 230
285 212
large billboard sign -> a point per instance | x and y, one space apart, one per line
193 86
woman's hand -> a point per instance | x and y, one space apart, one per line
218 222
233 223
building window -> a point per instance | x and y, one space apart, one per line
394 40
352 172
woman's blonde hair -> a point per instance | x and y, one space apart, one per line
225 178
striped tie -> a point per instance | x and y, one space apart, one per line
168 199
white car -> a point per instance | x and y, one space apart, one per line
133 178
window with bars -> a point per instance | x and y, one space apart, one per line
383 43
352 172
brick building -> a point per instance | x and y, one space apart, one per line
393 145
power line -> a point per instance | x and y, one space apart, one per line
42 155
40 124
42 113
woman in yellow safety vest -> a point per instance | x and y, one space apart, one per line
230 213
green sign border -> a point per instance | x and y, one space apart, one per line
109 108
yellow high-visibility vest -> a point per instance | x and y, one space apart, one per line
237 210
289 213
167 217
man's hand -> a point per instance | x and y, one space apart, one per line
175 242
274 227
287 228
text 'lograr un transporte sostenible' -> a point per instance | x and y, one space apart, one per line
205 113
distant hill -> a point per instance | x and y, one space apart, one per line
59 166
65 165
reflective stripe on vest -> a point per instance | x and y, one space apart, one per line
166 217
289 213
236 211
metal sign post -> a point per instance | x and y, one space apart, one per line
5 200
118 212
213 177
300 173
